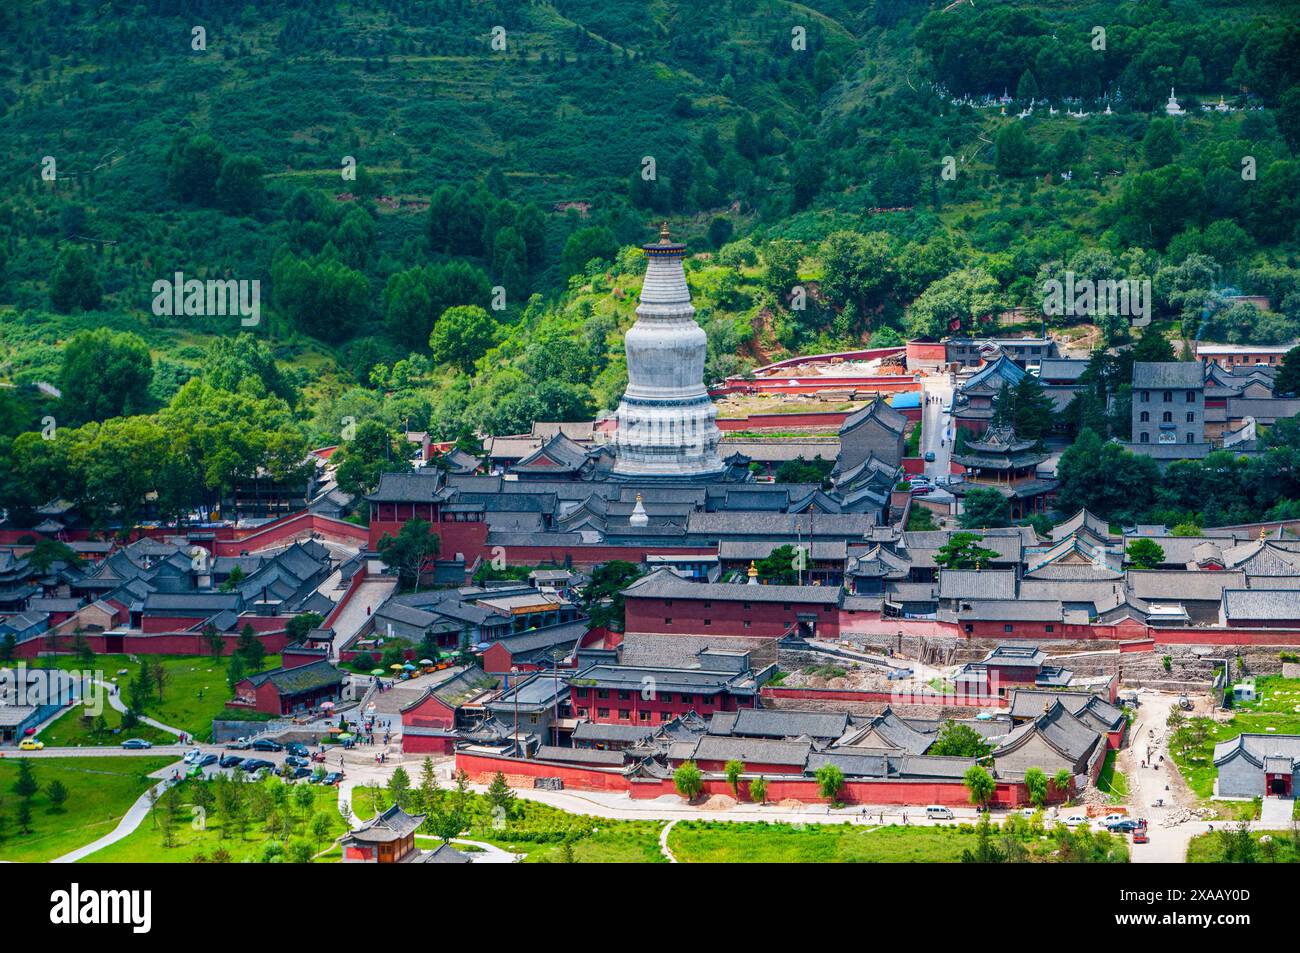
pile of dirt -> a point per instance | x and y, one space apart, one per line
717 802
792 804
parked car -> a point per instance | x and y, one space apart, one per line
1125 826
231 761
266 744
299 750
192 757
929 456
937 812
334 777
255 764
206 760
294 761
136 744
1140 836
31 744
1074 820
300 772
1113 818
240 744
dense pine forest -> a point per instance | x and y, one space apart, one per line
442 201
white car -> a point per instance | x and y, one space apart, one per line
1074 820
1112 818
193 757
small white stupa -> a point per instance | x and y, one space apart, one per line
639 516
753 574
1172 108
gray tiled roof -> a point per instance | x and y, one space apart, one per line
973 584
1278 605
1173 375
665 584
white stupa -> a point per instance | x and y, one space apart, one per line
1172 108
667 426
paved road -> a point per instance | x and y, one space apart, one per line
934 431
132 819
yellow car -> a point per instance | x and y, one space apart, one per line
30 744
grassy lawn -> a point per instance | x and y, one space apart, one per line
758 842
194 693
271 817
1112 782
539 831
71 729
1197 763
705 842
1274 694
1282 847
99 792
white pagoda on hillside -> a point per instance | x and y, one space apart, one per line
1172 108
666 421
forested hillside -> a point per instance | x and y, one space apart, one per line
477 270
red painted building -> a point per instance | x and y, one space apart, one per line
665 603
429 725
608 693
283 691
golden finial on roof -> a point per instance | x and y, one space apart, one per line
663 234
1263 532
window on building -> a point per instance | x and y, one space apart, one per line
1146 397
1191 437
1006 628
668 620
602 712
1191 417
1143 438
745 623
582 713
786 606
624 696
643 716
708 604
687 699
1146 416
602 693
1191 396
708 622
665 715
1051 628
625 714
1169 396
668 602
746 605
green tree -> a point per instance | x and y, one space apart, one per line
25 785
1287 380
602 597
594 242
399 788
963 551
758 790
194 164
74 284
959 741
239 188
372 451
984 506
1015 153
830 780
688 780
104 374
500 797
1036 785
1025 407
979 785
461 336
1145 553
1062 781
250 648
783 565
733 770
410 551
